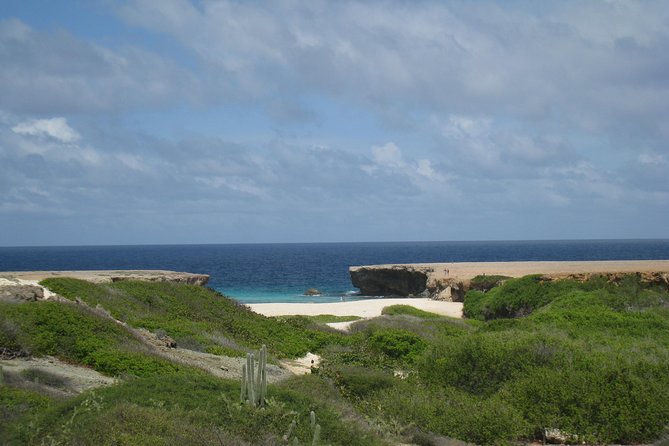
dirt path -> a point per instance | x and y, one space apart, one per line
53 375
221 366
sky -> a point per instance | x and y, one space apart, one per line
215 121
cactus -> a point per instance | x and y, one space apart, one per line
242 395
317 435
254 385
316 428
291 428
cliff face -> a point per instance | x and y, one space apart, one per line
391 281
450 281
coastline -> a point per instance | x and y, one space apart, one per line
440 275
450 281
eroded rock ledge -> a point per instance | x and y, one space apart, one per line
450 281
106 276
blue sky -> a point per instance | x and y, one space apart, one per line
175 121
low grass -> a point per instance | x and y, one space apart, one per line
39 376
328 318
186 408
17 409
198 317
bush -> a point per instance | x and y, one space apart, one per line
481 363
75 334
612 403
448 411
397 344
189 313
394 310
361 382
485 283
186 408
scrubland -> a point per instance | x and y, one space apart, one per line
586 362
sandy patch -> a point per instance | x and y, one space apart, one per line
77 378
301 366
342 326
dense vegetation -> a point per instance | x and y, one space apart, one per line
76 334
196 317
587 361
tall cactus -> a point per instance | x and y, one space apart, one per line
254 385
316 429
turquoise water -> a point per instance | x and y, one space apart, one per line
255 273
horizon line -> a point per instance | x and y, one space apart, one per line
339 242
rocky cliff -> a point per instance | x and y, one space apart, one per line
392 280
450 281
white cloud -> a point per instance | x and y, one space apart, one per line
55 72
652 159
55 128
388 155
424 168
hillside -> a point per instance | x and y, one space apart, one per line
534 360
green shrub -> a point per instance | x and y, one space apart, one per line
481 363
448 411
517 297
394 310
397 344
612 403
73 333
520 297
196 316
487 282
360 382
186 408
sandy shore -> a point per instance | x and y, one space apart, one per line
362 308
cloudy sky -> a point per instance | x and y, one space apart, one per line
215 121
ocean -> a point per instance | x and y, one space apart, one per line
253 273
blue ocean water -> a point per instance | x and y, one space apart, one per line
282 272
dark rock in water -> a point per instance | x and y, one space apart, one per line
312 292
389 281
21 293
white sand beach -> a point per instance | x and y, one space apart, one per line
362 308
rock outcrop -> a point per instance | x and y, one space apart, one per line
392 280
21 293
450 281
106 276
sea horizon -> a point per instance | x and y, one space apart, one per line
282 272
344 242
